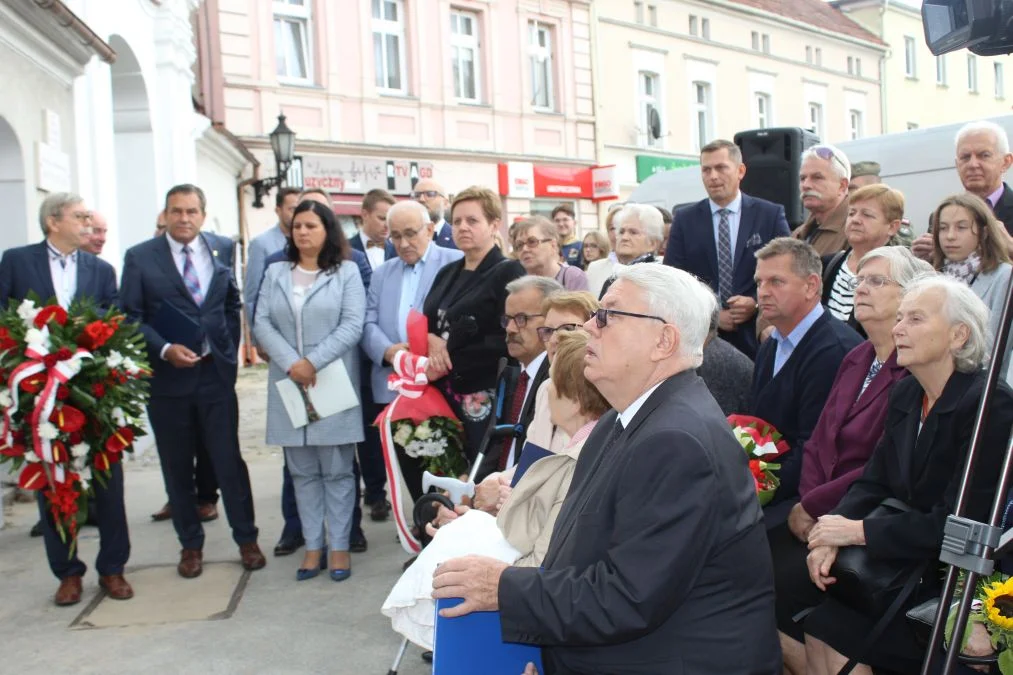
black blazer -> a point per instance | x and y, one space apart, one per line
793 399
644 570
150 278
691 248
1004 208
924 469
26 269
388 248
494 450
475 338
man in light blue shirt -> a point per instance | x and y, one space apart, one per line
786 344
265 244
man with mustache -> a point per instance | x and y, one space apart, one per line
824 179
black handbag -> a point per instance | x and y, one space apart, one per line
871 584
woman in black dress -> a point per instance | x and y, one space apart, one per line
464 309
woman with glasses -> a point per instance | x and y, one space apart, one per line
874 216
639 232
847 432
596 247
536 245
464 307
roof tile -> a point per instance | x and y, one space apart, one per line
815 13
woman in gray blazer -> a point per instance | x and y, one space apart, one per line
309 314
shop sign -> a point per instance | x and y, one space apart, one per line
359 175
648 165
517 179
524 180
604 183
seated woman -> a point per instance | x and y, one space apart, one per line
846 434
940 338
537 245
527 516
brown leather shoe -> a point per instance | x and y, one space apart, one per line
191 563
116 587
164 514
207 512
69 592
253 559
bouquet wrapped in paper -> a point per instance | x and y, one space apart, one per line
73 393
762 444
421 422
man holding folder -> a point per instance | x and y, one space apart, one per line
187 304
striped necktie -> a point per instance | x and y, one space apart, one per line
190 276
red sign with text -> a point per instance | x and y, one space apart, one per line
565 182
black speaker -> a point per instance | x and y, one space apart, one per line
773 158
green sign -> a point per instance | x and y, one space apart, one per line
648 165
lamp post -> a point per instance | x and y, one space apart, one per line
283 147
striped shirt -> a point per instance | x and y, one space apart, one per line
842 297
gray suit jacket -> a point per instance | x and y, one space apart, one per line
646 569
331 328
380 330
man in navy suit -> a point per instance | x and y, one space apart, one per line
715 240
431 195
188 307
796 366
57 268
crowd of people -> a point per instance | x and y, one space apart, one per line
627 350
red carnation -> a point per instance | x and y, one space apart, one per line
6 341
95 334
62 392
50 313
98 389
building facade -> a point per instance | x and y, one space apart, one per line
923 90
469 92
676 75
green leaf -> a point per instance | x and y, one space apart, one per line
1006 662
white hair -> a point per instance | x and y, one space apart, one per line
904 266
53 205
839 163
407 206
545 285
961 305
648 216
678 298
985 126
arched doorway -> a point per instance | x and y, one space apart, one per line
134 143
13 190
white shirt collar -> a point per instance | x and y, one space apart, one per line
532 368
626 416
734 207
197 245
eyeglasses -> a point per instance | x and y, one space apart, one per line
80 215
601 317
428 194
407 235
823 152
520 319
545 332
873 280
590 245
530 242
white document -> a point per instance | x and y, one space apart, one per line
332 394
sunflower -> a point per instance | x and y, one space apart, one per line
999 603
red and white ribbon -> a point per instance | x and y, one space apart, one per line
409 376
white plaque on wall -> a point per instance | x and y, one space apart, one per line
51 127
52 168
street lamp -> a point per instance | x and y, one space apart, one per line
283 147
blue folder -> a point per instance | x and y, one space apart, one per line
176 327
473 644
530 454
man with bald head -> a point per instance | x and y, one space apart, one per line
431 195
94 242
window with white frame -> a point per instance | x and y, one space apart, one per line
856 125
761 110
910 69
388 45
765 39
705 29
540 57
858 66
464 55
638 11
818 56
851 65
693 25
816 118
291 40
972 74
941 70
650 99
808 54
703 114
1000 85
652 15
756 41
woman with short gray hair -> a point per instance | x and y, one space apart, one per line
941 338
639 232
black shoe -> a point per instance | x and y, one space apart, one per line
379 511
289 545
36 530
427 657
358 543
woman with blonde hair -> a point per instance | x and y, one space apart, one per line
596 247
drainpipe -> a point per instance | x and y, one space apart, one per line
244 238
882 69
69 20
599 144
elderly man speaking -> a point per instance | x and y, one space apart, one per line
656 563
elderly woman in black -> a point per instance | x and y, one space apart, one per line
941 338
464 308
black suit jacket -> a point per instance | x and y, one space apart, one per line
644 573
691 248
150 277
495 448
224 248
26 268
924 469
1004 208
388 248
472 318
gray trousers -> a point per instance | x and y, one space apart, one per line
324 492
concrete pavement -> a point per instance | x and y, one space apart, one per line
277 626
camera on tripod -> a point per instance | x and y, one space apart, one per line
985 27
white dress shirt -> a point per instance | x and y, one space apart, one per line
410 277
63 270
204 266
376 254
531 369
626 416
734 216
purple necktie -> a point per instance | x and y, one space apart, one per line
190 276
